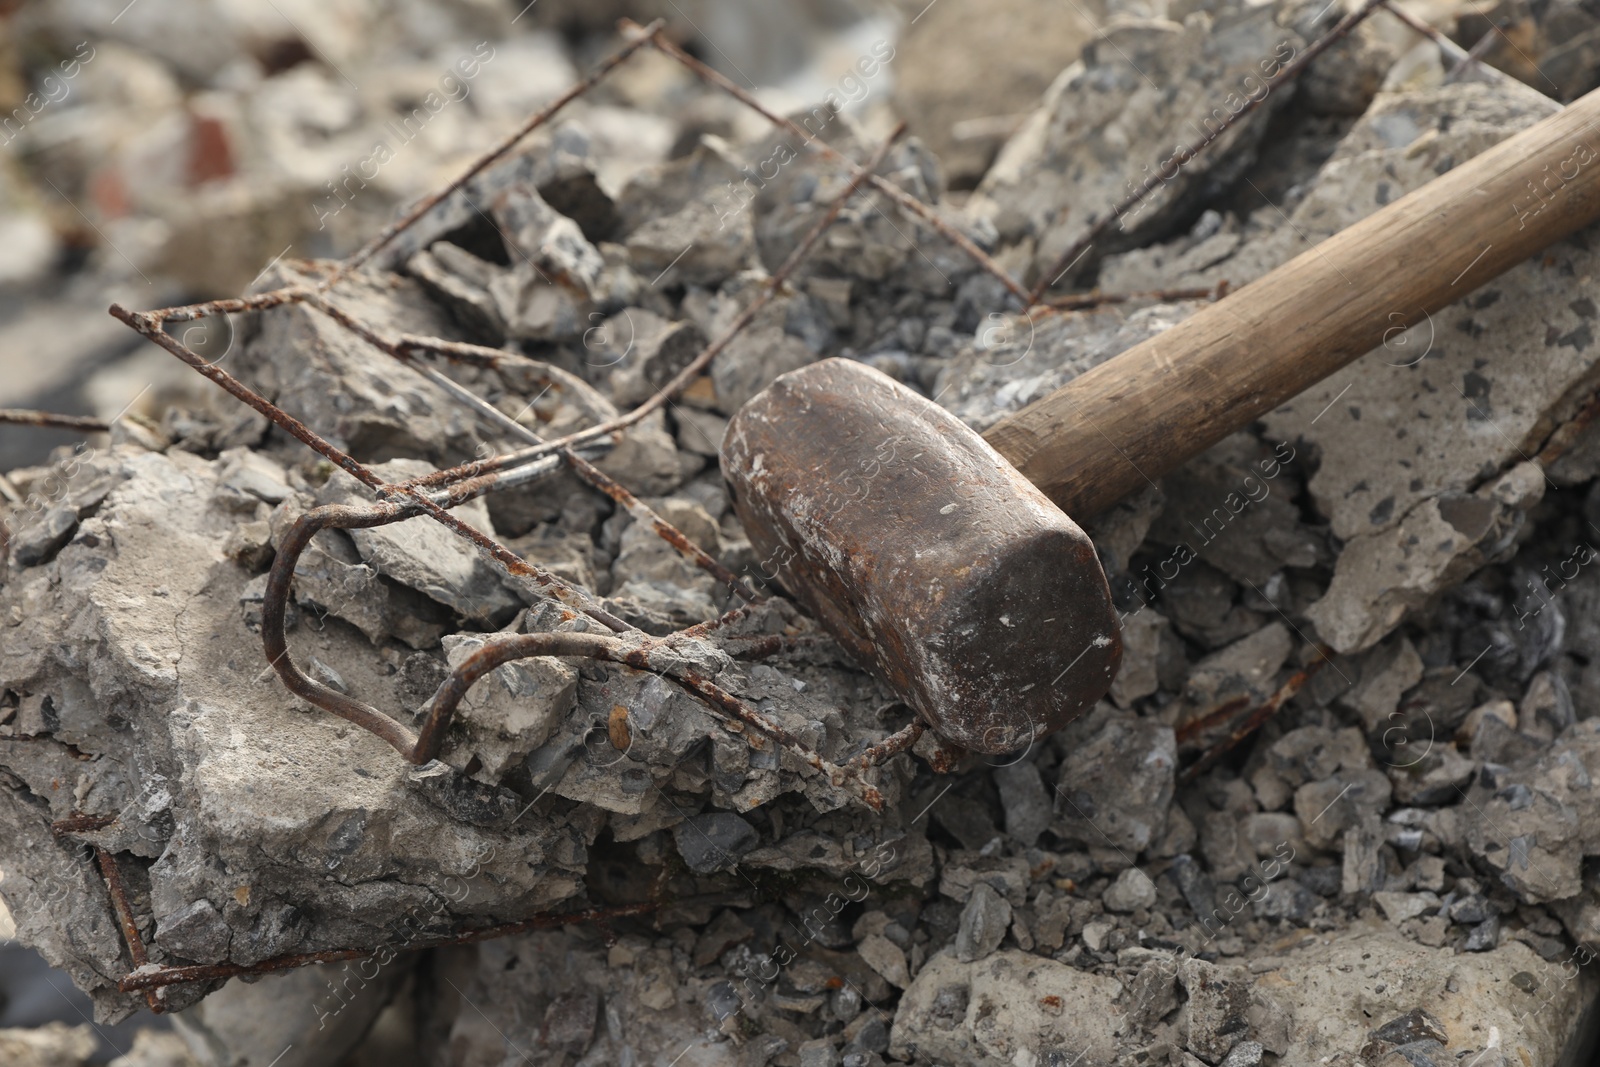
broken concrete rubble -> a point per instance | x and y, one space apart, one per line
1105 126
1394 868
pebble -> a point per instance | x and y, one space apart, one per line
1244 1054
887 958
714 841
1484 936
1097 934
983 923
1129 891
819 1052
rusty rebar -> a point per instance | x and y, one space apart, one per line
547 584
1290 71
505 145
52 420
1096 298
402 350
655 655
125 920
79 823
274 609
816 145
1254 721
644 514
211 972
230 305
1463 58
434 494
893 745
694 367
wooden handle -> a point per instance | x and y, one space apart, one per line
1126 422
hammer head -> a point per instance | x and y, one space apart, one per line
925 553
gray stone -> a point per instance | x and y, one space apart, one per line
1398 907
983 923
250 779
819 1052
461 282
330 578
1116 781
1362 872
1228 854
1025 799
1535 821
752 361
1453 988
887 958
964 80
1153 993
1244 671
1311 754
36 542
964 871
508 713
1416 1025
1384 574
1328 808
1244 1054
1141 644
1429 773
1493 742
1215 1018
1129 892
1104 126
638 352
1470 905
1483 936
1267 832
1232 506
1386 673
649 998
1195 885
845 1003
362 400
870 1034
569 1021
696 245
302 1018
984 1013
197 932
1286 899
646 460
1097 935
714 841
422 554
54 1044
157 1048
700 432
1546 709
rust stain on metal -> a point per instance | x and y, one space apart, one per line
78 823
52 420
951 576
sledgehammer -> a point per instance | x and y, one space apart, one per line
946 561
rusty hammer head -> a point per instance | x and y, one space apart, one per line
925 553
